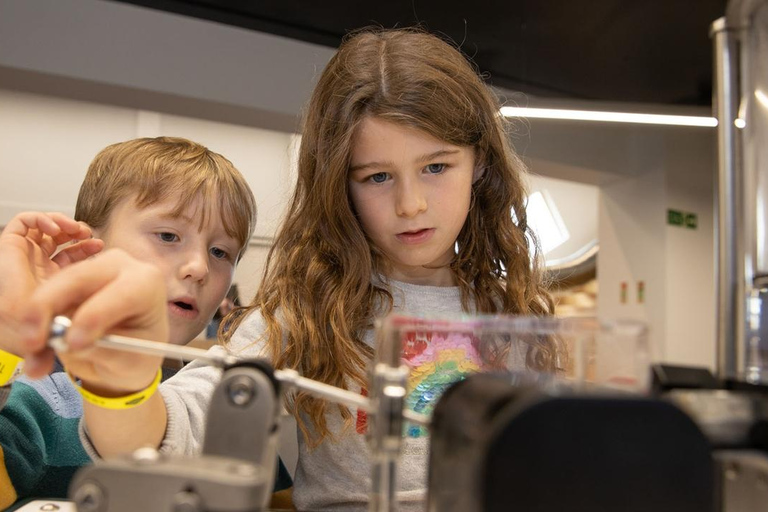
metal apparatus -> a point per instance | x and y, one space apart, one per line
741 104
733 410
448 350
497 447
235 471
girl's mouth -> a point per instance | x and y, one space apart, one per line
415 237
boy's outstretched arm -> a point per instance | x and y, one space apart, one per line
28 257
112 293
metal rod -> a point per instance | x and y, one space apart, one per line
730 240
321 390
290 378
139 346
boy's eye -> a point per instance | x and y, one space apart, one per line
167 237
219 254
379 177
435 168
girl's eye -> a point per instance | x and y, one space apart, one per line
219 254
379 177
435 168
167 237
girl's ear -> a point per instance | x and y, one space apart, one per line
478 173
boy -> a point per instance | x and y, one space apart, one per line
165 201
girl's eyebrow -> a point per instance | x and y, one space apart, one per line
370 165
436 154
423 158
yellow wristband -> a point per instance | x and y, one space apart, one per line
10 367
120 402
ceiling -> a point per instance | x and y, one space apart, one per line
645 51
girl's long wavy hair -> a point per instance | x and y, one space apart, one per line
317 295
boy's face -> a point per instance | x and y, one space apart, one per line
198 264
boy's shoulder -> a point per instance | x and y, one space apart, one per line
56 391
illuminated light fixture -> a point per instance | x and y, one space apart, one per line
761 97
610 117
739 122
545 220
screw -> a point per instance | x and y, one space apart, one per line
244 469
187 501
89 498
241 390
146 456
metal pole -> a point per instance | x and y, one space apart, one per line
730 240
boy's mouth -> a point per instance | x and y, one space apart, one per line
183 308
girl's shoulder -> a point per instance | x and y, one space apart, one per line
250 338
250 334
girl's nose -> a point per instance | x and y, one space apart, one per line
410 199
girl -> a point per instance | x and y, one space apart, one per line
405 201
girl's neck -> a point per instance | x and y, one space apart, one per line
424 276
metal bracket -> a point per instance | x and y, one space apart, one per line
234 473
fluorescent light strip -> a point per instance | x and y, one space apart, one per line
611 117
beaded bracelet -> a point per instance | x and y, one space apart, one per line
120 402
10 367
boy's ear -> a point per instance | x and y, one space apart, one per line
97 232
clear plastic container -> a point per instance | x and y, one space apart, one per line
582 352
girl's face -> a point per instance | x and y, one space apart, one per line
411 193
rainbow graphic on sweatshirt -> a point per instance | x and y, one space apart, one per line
436 361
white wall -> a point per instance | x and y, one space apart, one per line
690 286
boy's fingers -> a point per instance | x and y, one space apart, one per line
72 230
48 223
78 252
22 223
56 225
69 225
40 364
109 292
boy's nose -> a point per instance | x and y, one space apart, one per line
410 200
195 266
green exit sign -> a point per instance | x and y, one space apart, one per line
683 219
675 218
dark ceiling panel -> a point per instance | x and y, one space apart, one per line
650 51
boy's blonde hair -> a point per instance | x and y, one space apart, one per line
154 169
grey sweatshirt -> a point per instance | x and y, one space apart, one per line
336 474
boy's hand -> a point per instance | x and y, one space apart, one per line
28 257
113 293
